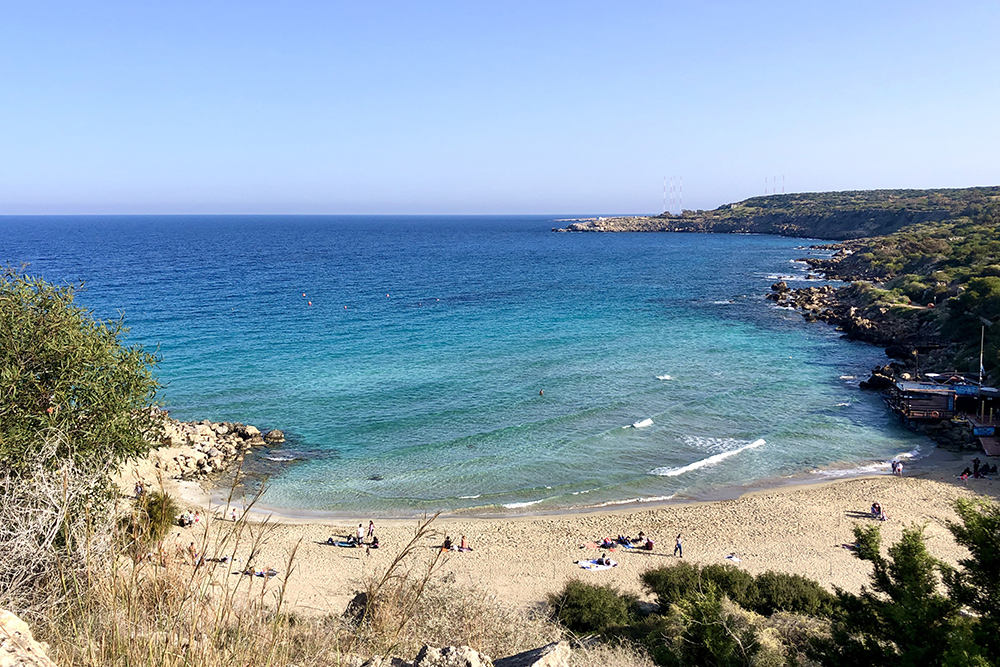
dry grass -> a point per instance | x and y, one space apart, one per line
97 603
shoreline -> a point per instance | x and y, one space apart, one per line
938 462
520 559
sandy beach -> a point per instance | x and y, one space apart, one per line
521 559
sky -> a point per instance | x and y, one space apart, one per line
327 107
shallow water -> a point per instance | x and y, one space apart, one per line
412 382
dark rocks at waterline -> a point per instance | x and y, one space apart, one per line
198 449
882 378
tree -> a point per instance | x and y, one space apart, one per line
976 585
70 388
903 620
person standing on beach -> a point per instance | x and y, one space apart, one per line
678 551
361 533
371 528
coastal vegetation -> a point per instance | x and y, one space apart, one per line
916 610
823 215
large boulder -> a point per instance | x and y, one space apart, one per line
17 647
555 654
451 656
274 435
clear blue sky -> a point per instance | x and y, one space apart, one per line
211 106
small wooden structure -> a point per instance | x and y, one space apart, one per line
917 401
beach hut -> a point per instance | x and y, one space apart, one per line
915 401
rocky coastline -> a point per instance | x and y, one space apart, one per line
906 336
195 450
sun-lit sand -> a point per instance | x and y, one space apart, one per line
520 559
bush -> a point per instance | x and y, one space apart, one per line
672 583
734 583
792 593
583 607
156 513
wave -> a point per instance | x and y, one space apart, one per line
848 377
642 423
651 499
664 377
280 458
514 506
470 497
875 467
706 462
843 405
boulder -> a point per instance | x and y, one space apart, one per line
17 647
555 654
451 656
274 435
780 286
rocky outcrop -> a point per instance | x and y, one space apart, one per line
451 656
555 654
192 450
17 647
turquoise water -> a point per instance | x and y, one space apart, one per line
412 382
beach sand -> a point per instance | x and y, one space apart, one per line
521 559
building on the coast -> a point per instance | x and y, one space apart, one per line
917 401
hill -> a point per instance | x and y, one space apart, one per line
823 215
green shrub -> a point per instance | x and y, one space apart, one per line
792 593
156 513
583 607
672 583
734 583
868 539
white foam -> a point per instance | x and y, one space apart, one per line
280 458
664 377
470 497
842 405
514 506
642 423
873 468
652 499
848 377
706 462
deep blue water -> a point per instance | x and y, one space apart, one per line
412 381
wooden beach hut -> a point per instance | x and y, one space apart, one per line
918 401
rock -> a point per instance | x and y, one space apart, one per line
249 432
555 654
451 656
274 435
17 647
780 286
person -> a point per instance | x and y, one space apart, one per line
234 514
966 473
374 543
642 537
371 528
464 545
447 544
361 533
603 560
678 550
138 490
197 518
648 544
895 464
975 466
193 553
876 509
899 468
882 516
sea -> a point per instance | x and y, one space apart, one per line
477 364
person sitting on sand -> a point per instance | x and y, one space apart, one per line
876 509
606 543
374 542
882 516
648 544
463 545
447 544
641 538
603 560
